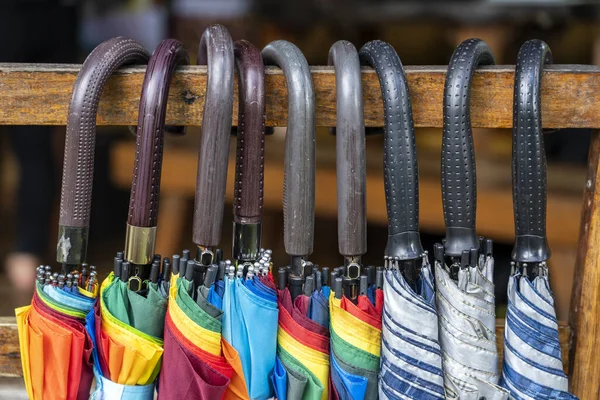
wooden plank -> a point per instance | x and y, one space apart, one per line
39 94
585 297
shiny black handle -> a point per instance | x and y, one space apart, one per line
459 186
529 157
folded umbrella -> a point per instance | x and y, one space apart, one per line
532 366
464 263
56 349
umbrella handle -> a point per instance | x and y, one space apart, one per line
299 170
529 157
140 237
401 171
80 141
350 151
459 185
215 51
250 154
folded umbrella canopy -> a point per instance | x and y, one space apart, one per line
532 367
464 263
411 359
56 349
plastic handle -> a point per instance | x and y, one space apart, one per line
350 150
529 157
145 187
401 172
216 50
299 171
459 187
250 155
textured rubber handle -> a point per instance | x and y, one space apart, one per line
216 51
78 167
250 155
299 171
529 156
401 173
459 187
351 167
145 187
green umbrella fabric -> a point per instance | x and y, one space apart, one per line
199 315
297 374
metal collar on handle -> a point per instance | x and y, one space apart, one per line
529 156
80 141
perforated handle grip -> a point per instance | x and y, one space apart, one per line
250 155
529 157
145 187
459 187
78 167
216 51
350 150
401 173
299 171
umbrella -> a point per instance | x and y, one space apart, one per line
464 263
411 361
302 365
56 349
532 366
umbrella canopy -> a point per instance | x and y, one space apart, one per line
56 349
532 366
411 359
464 265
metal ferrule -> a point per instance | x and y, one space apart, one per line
205 255
246 241
72 245
353 266
139 244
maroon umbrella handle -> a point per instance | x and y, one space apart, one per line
459 185
250 154
145 186
216 51
529 157
78 167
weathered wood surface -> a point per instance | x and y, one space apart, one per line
39 94
585 297
10 364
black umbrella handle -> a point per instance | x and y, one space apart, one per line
529 157
459 186
216 51
299 171
250 154
401 173
145 186
350 150
80 141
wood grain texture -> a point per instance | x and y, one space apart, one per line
38 94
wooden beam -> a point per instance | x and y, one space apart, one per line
39 94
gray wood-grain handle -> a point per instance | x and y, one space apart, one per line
351 168
529 156
299 170
216 51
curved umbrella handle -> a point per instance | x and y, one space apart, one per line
299 172
216 51
350 152
140 238
250 155
459 185
401 171
529 157
80 141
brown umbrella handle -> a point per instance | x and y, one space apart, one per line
145 187
250 154
216 50
78 167
459 185
529 157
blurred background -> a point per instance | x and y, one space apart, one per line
423 33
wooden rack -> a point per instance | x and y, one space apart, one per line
36 94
